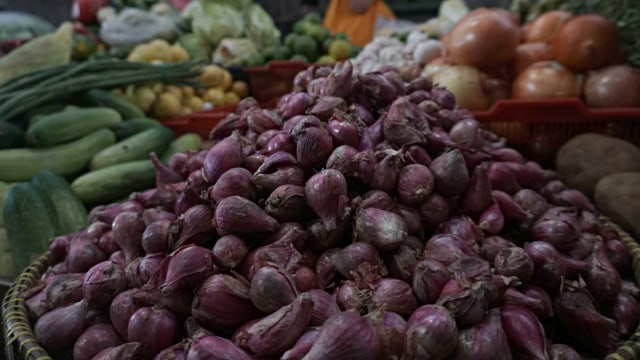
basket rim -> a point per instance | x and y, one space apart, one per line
19 335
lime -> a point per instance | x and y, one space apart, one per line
326 60
305 45
327 43
313 18
298 27
289 40
340 49
318 32
342 36
281 53
255 60
355 50
268 53
299 57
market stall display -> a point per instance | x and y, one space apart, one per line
359 212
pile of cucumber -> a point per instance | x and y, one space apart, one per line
69 159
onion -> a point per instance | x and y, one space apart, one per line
563 352
69 322
302 345
587 42
345 335
524 331
384 230
602 278
186 268
546 26
484 38
447 249
477 197
578 314
491 245
402 262
467 85
103 282
222 302
530 53
95 339
239 216
215 348
351 256
272 288
615 86
450 173
122 307
431 334
128 351
484 340
229 251
546 79
326 194
415 183
625 310
429 278
514 261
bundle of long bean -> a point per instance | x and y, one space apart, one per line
39 87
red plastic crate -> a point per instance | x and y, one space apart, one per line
275 79
202 122
538 128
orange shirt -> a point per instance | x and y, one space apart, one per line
360 27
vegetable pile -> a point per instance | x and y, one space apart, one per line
163 101
362 218
309 42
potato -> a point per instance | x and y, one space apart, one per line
618 196
587 158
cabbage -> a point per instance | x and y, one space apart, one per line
260 27
232 52
214 21
134 26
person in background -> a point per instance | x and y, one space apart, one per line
356 18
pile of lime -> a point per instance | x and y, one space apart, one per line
309 42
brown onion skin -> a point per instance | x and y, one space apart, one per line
95 339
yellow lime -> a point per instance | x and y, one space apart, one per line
240 88
340 49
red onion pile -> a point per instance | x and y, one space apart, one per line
363 218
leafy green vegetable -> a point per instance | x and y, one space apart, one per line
16 25
44 51
232 52
196 47
214 20
260 27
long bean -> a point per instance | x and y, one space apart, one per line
81 78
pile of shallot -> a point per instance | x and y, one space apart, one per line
363 218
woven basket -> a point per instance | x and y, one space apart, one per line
22 345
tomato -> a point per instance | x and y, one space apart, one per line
545 27
484 38
613 86
587 42
86 11
529 53
546 79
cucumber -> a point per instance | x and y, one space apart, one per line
11 136
7 269
136 147
71 213
64 160
110 183
133 126
4 189
186 142
128 110
64 126
28 222
46 109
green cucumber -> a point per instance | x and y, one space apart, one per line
136 147
71 213
128 110
133 126
186 142
11 136
110 183
64 160
64 126
4 189
28 222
